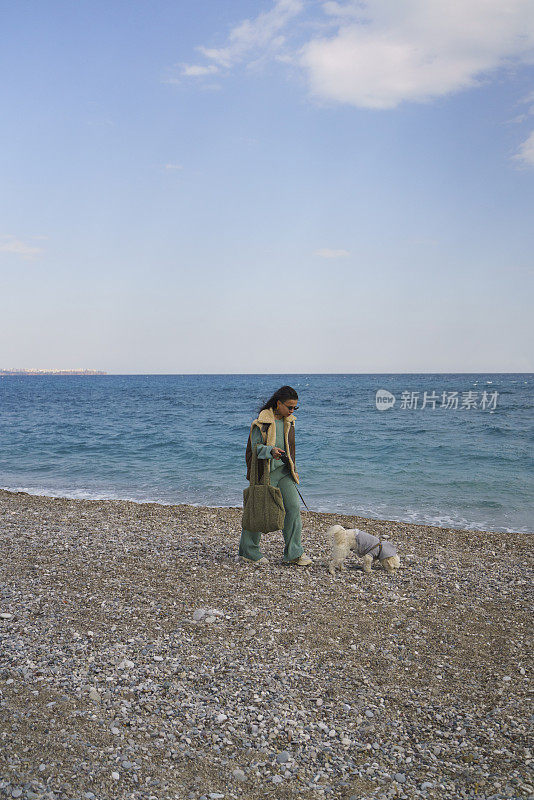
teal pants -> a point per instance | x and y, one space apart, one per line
249 546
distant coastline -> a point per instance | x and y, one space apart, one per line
52 372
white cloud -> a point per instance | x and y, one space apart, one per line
197 70
173 166
525 153
529 112
9 244
326 252
380 53
251 37
384 53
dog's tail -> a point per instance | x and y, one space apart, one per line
336 535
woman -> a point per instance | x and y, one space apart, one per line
273 434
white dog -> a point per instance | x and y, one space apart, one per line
367 546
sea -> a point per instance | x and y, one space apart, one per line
452 450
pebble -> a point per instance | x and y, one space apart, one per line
115 776
283 682
5 615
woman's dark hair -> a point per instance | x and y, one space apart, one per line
282 394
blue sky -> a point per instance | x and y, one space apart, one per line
287 186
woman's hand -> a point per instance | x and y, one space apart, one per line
276 452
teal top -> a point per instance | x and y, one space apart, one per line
264 450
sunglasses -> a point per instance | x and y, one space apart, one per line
289 408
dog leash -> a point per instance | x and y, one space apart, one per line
301 497
285 460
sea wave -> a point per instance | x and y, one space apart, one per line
380 512
181 439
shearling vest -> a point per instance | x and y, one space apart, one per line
267 425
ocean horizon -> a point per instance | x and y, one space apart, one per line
446 449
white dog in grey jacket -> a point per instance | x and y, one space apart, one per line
367 546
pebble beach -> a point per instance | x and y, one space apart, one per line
141 659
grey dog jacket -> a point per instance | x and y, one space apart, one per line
367 543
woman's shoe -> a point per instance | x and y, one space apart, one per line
261 562
303 561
